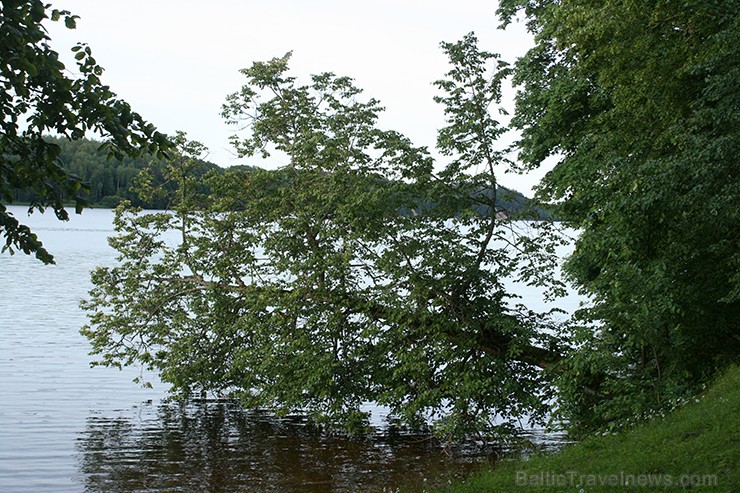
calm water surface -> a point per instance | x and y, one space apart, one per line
66 427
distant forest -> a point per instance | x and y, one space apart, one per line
110 181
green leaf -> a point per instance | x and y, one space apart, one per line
70 21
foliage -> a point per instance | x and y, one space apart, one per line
107 181
39 97
637 102
306 288
692 448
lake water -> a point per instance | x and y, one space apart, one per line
66 427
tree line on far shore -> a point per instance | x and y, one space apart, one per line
108 181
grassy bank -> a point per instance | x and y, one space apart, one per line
695 448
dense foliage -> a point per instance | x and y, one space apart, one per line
306 288
40 96
638 103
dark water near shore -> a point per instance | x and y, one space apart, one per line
66 427
217 447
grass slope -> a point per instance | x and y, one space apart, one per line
695 448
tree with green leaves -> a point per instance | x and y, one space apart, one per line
39 98
354 273
638 104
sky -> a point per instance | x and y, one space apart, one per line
175 61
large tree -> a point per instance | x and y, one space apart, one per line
40 97
638 105
353 273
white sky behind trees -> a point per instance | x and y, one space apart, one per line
175 61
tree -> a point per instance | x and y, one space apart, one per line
322 285
638 103
39 97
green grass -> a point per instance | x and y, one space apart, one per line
698 444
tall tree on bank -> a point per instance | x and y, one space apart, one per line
320 286
38 98
638 103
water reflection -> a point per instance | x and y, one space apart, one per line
214 446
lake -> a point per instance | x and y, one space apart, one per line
66 427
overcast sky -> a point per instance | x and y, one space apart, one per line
175 61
